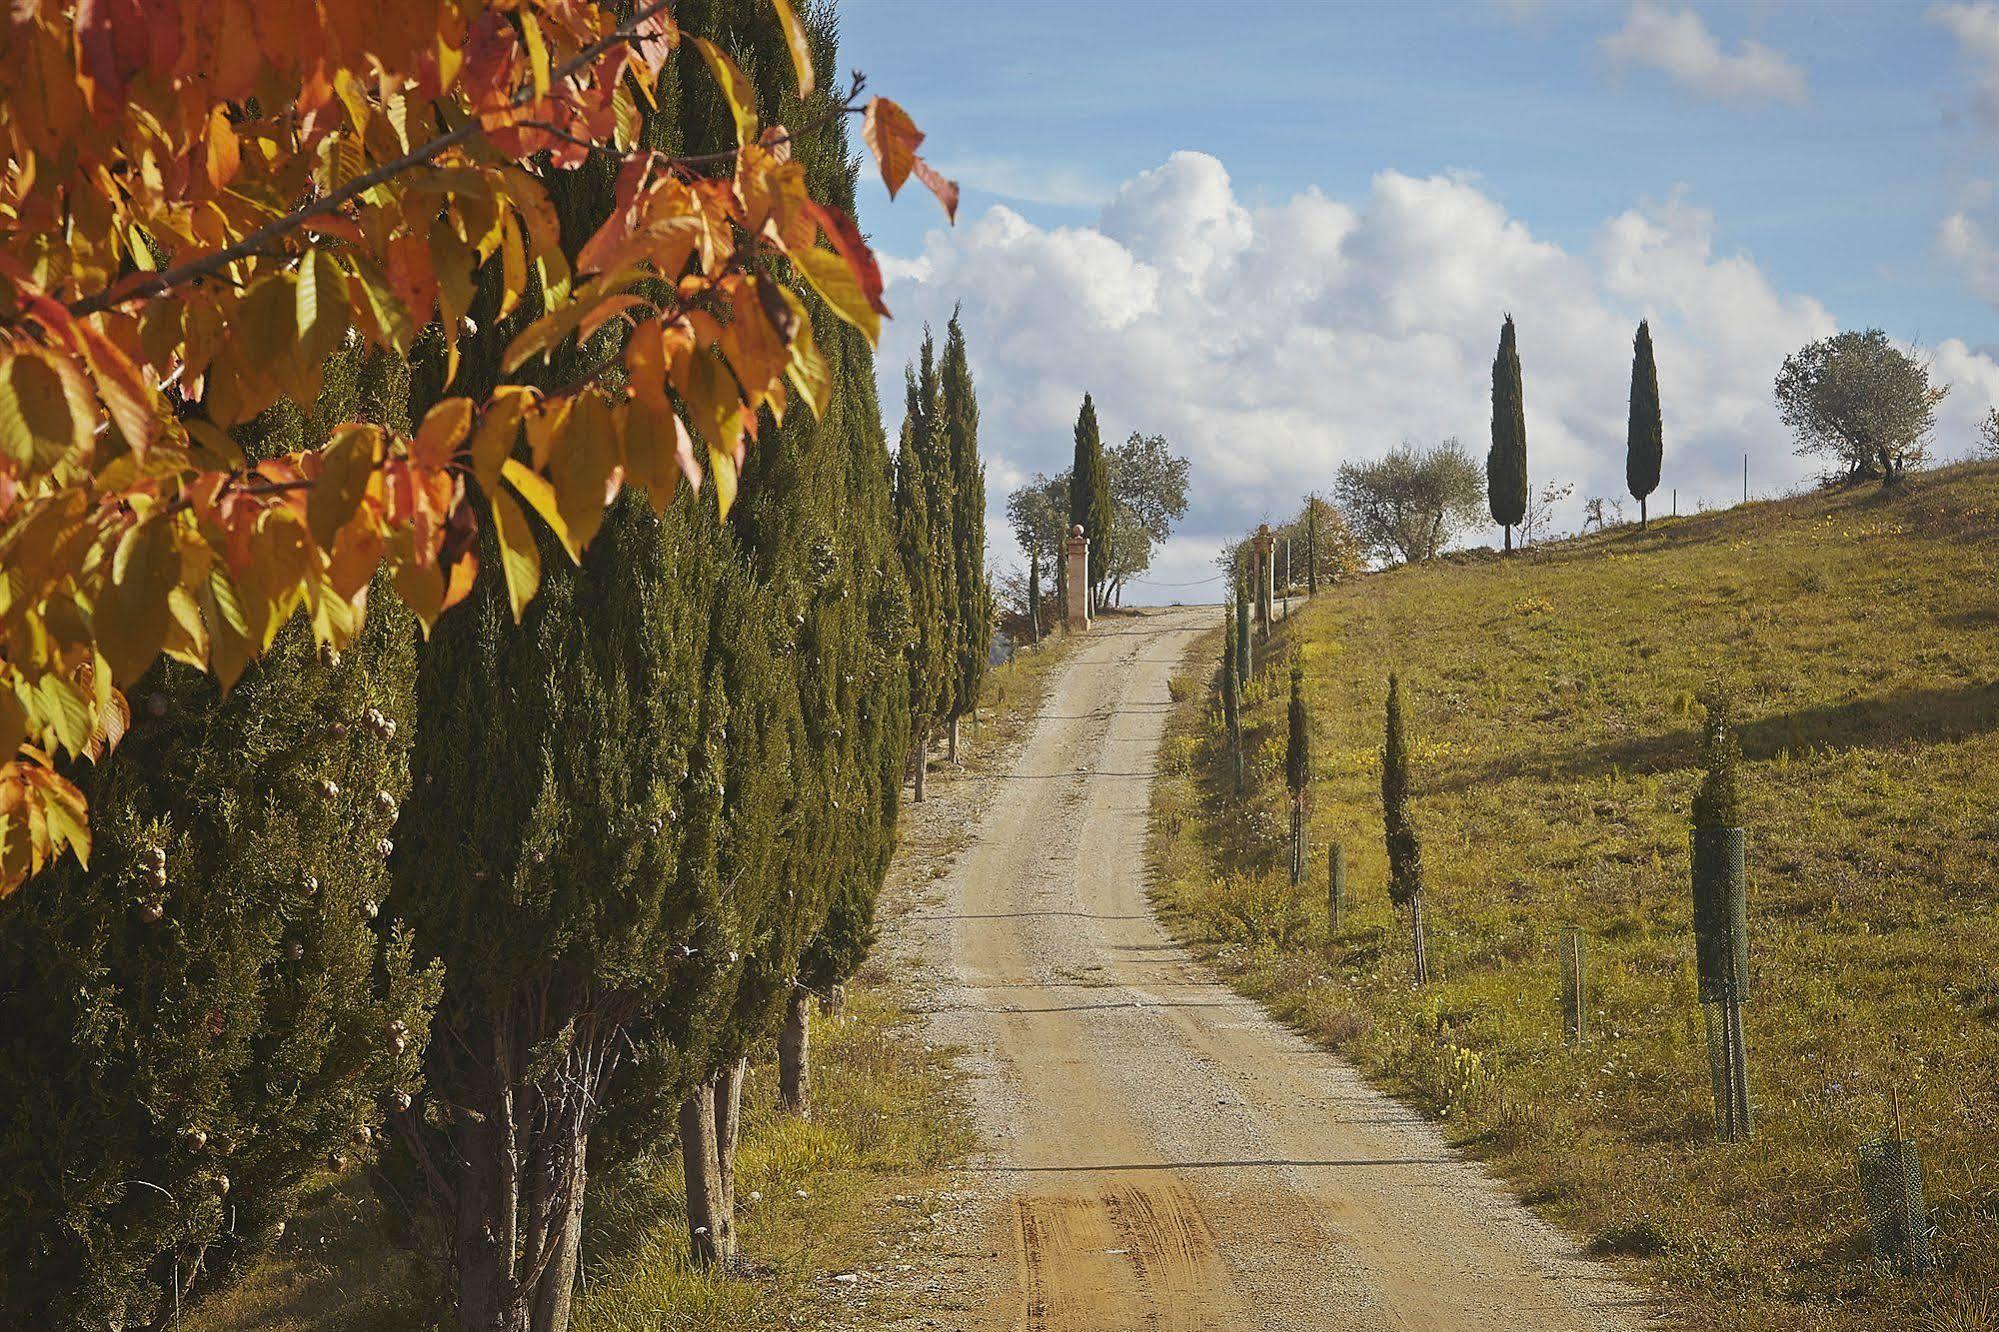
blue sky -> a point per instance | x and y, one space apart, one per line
1747 173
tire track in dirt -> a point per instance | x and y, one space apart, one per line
1162 1154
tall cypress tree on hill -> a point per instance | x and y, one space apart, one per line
1090 494
1506 463
940 484
928 650
1405 850
960 427
1645 436
212 1011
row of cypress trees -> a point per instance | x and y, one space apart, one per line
940 527
520 899
1506 462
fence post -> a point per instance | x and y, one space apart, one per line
1574 950
1336 886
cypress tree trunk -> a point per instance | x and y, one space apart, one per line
1641 513
951 742
922 762
558 1285
1509 538
728 1130
794 1055
701 1169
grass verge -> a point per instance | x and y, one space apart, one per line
1551 701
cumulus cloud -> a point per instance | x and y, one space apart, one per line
1270 342
1677 43
1976 28
1965 243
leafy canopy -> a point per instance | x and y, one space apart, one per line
1412 502
207 199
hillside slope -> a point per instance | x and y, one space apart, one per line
1551 702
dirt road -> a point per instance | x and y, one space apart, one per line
1164 1155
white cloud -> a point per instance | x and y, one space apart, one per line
1976 28
1678 43
1964 241
1272 342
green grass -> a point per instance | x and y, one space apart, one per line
1551 705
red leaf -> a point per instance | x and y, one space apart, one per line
847 242
945 190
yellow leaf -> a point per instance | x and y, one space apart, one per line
131 616
348 462
713 402
520 559
801 52
232 636
722 467
394 327
513 265
38 420
499 429
657 451
13 722
834 281
444 428
585 469
807 370
225 156
62 706
893 138
534 488
421 587
645 364
737 90
537 51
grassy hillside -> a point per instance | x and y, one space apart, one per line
1551 702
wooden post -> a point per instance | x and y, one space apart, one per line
1336 886
1077 581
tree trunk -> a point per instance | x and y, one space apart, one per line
922 764
951 742
1509 537
482 1267
1641 513
728 1129
794 1055
558 1281
1416 934
700 1169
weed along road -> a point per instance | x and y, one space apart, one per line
1163 1155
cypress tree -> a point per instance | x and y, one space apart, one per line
212 1011
1034 594
1297 767
927 655
1312 545
941 494
1232 692
1506 463
1645 436
1405 851
1090 495
959 435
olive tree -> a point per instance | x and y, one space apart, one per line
1862 401
1409 504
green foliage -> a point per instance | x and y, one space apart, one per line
973 611
1412 502
926 650
1860 400
1090 504
1506 463
1298 738
1645 437
1718 800
1405 852
203 1018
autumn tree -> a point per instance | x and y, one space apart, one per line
1412 502
958 407
217 1008
1506 462
1323 541
371 172
1405 850
1090 495
1862 401
1644 440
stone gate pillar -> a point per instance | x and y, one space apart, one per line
1077 578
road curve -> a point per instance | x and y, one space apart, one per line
1165 1156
